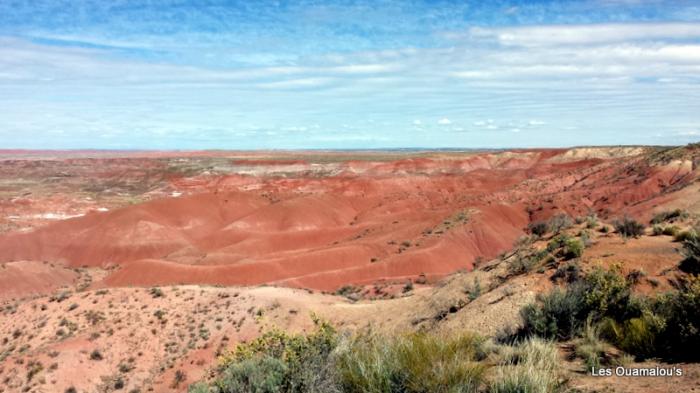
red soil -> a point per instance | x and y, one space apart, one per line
366 221
26 278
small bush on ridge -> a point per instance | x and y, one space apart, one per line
628 227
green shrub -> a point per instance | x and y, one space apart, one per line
635 335
657 230
554 316
561 313
628 227
557 242
666 326
298 363
680 311
259 374
573 248
605 292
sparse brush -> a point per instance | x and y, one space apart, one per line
561 313
560 222
521 264
635 276
569 272
417 362
628 227
591 221
670 215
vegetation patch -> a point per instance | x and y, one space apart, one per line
628 227
665 326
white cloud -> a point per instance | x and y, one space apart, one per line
417 122
363 68
296 83
444 121
583 34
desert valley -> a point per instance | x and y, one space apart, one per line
140 271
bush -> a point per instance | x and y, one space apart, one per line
322 362
657 230
669 215
667 326
635 335
591 221
684 236
156 292
521 264
628 227
561 313
570 272
259 374
586 237
554 316
96 355
573 248
474 291
680 311
557 242
691 252
538 228
671 230
559 223
297 363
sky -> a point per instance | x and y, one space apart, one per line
262 74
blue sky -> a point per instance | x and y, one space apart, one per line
347 74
